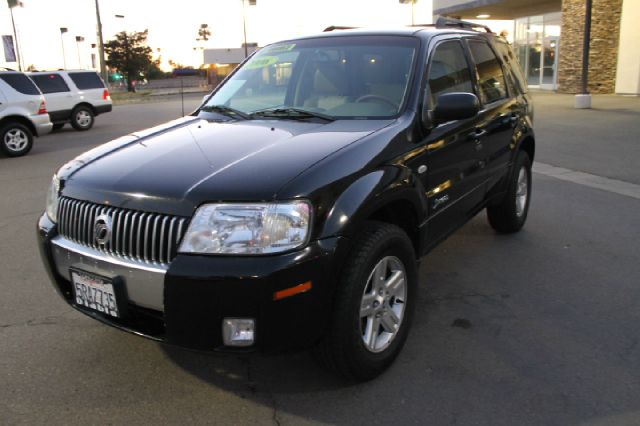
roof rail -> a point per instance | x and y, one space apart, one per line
336 28
444 22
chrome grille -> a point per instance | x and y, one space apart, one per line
135 235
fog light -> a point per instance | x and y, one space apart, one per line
238 331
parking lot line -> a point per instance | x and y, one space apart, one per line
587 179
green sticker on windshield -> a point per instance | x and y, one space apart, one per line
262 62
281 48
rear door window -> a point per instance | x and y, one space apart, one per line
448 71
50 83
490 77
21 83
86 80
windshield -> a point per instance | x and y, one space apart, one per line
340 77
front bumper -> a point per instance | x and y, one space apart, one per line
185 303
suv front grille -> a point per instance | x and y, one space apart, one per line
135 235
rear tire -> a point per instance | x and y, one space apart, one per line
16 139
82 118
510 215
373 305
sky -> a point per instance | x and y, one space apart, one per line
173 25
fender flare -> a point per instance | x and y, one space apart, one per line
368 194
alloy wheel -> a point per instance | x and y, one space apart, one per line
16 140
383 304
522 191
83 118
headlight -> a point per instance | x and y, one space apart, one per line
248 228
52 199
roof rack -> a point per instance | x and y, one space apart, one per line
6 69
444 22
336 28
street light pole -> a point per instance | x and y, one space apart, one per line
103 67
64 57
15 34
244 29
585 48
413 19
583 100
79 39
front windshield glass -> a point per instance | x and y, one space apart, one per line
340 77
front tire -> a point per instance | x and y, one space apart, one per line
510 215
373 305
16 139
82 118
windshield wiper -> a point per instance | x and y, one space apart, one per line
292 113
225 110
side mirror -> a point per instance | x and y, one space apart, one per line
455 106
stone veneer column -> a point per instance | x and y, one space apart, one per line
603 53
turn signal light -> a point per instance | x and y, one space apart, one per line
292 291
43 108
105 95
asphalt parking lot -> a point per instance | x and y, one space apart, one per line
542 327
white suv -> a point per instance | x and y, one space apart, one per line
73 96
23 113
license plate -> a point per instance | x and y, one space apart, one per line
95 293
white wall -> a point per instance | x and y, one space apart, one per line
628 73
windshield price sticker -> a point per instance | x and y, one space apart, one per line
262 62
281 48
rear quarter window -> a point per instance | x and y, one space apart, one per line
513 66
86 80
20 83
50 83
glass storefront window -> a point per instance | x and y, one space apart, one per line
536 42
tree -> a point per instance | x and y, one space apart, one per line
175 65
129 54
153 71
203 32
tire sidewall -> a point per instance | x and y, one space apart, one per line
12 153
370 363
521 161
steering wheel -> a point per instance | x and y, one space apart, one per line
378 98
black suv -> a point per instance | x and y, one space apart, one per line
291 208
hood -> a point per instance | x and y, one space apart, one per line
175 167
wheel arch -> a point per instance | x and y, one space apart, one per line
528 145
19 119
87 104
389 195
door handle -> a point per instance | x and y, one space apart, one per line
477 134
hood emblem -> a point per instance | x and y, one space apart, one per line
102 229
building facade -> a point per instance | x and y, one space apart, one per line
548 39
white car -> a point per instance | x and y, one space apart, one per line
74 97
23 113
